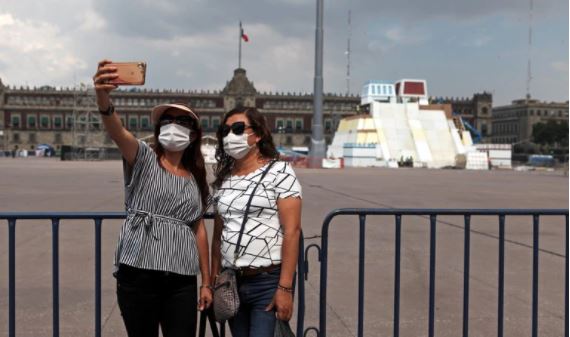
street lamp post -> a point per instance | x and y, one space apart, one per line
318 147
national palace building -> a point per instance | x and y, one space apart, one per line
59 116
68 116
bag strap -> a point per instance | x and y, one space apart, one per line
246 214
208 314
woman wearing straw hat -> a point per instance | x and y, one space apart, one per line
163 243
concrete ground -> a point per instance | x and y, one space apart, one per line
39 184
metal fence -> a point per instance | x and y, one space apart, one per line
97 217
432 215
322 254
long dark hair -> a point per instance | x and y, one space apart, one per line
192 159
265 145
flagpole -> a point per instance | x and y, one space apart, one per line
239 52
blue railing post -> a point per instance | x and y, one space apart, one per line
301 287
432 251
501 286
466 267
397 275
12 277
361 275
98 222
323 287
307 250
566 285
535 246
55 275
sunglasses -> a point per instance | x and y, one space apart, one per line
237 128
185 121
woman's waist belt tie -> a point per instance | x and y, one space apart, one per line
149 219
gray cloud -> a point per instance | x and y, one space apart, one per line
167 19
191 44
164 19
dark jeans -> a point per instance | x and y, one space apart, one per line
255 294
149 298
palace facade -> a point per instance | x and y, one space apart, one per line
68 116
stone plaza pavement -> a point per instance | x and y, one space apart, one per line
40 184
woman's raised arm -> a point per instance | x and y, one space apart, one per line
127 143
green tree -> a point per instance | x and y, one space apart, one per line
551 133
562 134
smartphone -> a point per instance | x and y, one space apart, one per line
130 73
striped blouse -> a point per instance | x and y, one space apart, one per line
161 208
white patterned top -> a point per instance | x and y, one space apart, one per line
263 236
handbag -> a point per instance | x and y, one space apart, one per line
283 329
208 315
226 294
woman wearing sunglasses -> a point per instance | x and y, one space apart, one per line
267 256
163 243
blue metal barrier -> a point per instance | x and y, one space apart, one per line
432 215
322 255
98 218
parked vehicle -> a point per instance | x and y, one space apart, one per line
539 160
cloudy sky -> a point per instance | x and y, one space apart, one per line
459 46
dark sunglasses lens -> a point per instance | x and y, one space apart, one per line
186 121
225 130
166 119
238 128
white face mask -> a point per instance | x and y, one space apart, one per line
237 146
174 137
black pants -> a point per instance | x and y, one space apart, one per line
149 298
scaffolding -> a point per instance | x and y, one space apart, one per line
87 130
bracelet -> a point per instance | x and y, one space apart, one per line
285 289
110 110
207 286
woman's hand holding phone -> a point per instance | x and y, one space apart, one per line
105 74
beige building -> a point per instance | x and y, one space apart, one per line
475 110
513 123
65 116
